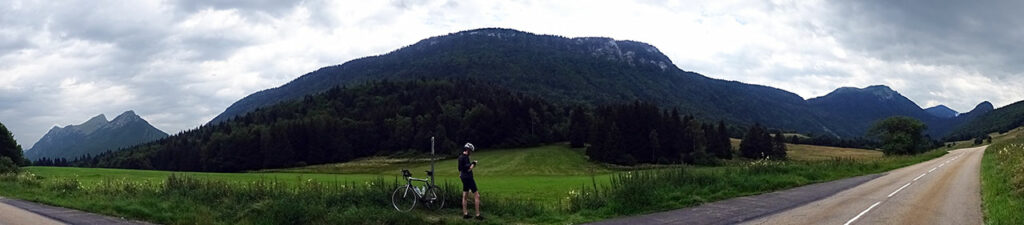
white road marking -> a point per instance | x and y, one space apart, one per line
919 177
898 190
862 213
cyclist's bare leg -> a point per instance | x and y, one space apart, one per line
477 195
464 211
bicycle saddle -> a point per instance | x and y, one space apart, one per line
429 173
406 173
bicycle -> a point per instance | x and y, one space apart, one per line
405 197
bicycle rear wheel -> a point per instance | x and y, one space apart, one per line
404 198
434 198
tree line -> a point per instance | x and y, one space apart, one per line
398 118
11 156
44 161
630 134
344 123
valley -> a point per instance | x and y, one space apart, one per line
560 112
545 180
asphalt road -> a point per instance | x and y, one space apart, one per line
10 215
945 190
17 212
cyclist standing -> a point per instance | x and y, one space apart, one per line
468 184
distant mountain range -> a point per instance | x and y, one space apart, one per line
855 109
999 120
941 111
597 70
94 136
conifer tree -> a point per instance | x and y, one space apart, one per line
779 146
578 128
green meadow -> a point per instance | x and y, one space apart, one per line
550 184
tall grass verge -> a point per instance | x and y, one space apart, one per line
182 199
1002 182
648 191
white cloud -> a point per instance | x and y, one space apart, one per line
179 63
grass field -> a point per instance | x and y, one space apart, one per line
550 160
548 185
1002 179
996 138
544 174
818 153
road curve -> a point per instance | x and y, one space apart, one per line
945 190
10 215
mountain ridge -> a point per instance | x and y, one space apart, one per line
94 136
595 71
942 111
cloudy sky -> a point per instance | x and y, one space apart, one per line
180 63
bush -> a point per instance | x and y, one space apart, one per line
8 166
65 185
900 135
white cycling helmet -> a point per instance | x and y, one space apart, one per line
469 146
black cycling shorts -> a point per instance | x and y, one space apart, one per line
468 184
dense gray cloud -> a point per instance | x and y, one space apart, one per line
957 47
180 63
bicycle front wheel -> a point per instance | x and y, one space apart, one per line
434 198
404 198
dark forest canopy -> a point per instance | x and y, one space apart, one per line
378 118
642 133
10 148
398 118
10 152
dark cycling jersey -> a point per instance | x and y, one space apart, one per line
464 164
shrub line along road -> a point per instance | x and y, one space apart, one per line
18 212
944 190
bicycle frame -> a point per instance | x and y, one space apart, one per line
428 194
419 194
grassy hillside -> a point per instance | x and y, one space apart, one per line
996 138
1002 179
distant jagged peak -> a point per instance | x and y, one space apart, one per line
58 129
98 119
90 125
130 114
984 106
125 118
